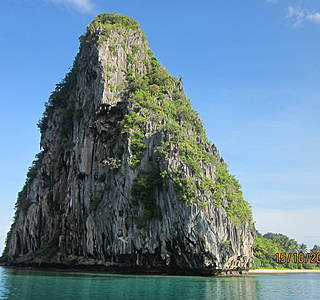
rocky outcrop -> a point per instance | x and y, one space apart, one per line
127 177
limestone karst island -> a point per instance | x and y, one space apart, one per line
127 180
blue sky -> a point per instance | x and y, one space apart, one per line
250 68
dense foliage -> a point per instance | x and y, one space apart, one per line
156 97
102 26
143 190
265 247
60 99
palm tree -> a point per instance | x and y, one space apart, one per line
315 249
303 248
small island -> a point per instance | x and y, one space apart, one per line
127 179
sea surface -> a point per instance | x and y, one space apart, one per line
56 285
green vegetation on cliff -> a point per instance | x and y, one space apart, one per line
157 98
23 203
143 190
104 24
61 99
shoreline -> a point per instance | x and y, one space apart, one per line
151 271
123 270
275 271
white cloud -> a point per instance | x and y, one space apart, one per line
81 5
301 16
314 17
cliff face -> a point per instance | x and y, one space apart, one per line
127 177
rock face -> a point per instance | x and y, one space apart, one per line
127 177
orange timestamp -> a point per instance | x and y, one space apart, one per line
301 257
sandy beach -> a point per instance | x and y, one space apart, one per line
273 271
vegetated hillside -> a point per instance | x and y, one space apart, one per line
266 246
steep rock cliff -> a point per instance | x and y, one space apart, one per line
127 177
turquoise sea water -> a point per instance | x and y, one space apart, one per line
52 285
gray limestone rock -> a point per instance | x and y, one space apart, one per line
92 198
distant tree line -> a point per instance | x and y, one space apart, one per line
266 246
